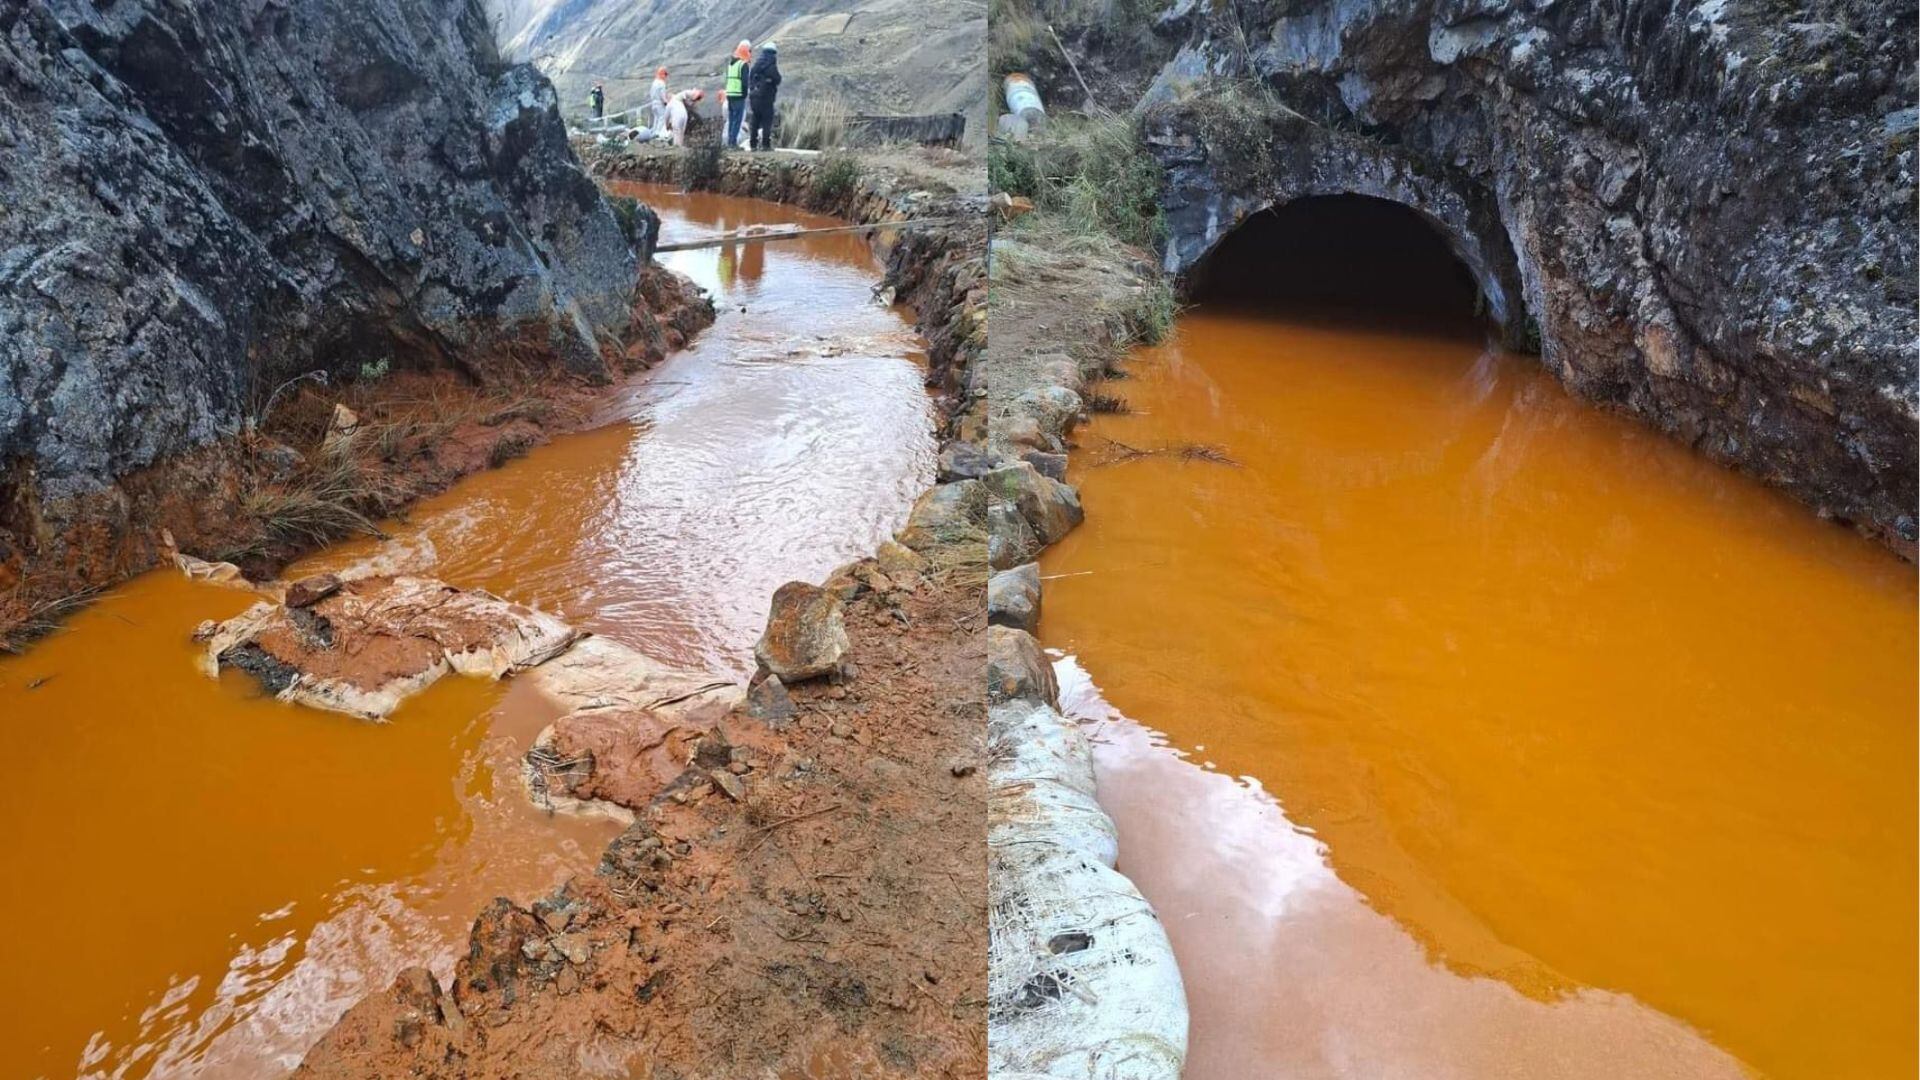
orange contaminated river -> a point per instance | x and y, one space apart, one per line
199 880
1461 730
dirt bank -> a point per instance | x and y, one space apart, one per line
808 897
325 462
1080 962
205 205
824 917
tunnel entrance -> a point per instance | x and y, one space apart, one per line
1343 258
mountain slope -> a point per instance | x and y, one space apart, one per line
876 56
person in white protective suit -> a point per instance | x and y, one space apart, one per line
657 104
679 107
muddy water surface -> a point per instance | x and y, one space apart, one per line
201 879
1474 732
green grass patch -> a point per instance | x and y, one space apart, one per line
1092 173
839 175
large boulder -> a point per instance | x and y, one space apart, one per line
954 513
1010 540
1013 597
1055 408
806 634
1050 508
964 461
1016 668
204 200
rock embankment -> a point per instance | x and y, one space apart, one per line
203 202
1084 983
801 886
1703 215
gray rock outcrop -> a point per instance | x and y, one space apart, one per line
1703 214
203 200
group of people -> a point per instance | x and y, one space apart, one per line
753 84
751 90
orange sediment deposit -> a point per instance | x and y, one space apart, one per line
1560 743
796 900
367 644
324 463
291 861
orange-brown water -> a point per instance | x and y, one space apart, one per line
199 879
1565 752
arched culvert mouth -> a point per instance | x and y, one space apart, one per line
1343 258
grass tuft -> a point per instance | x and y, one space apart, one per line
817 123
1093 173
839 175
328 499
23 619
514 444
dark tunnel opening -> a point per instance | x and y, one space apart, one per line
1350 259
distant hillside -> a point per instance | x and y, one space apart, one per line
879 56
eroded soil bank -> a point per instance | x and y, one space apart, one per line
1559 749
822 913
291 862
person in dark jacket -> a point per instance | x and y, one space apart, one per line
763 86
597 101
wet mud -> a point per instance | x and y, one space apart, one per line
289 862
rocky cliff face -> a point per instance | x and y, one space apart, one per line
1702 213
198 201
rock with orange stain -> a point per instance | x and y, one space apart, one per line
365 647
806 635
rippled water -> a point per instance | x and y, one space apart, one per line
200 880
1566 752
790 439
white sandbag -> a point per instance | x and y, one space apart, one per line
599 672
1082 982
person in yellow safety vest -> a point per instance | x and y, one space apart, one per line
597 100
737 91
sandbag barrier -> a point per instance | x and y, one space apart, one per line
1082 982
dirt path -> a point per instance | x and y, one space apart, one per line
828 921
808 899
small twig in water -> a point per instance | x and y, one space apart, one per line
1183 451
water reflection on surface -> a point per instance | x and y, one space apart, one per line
200 879
1574 707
